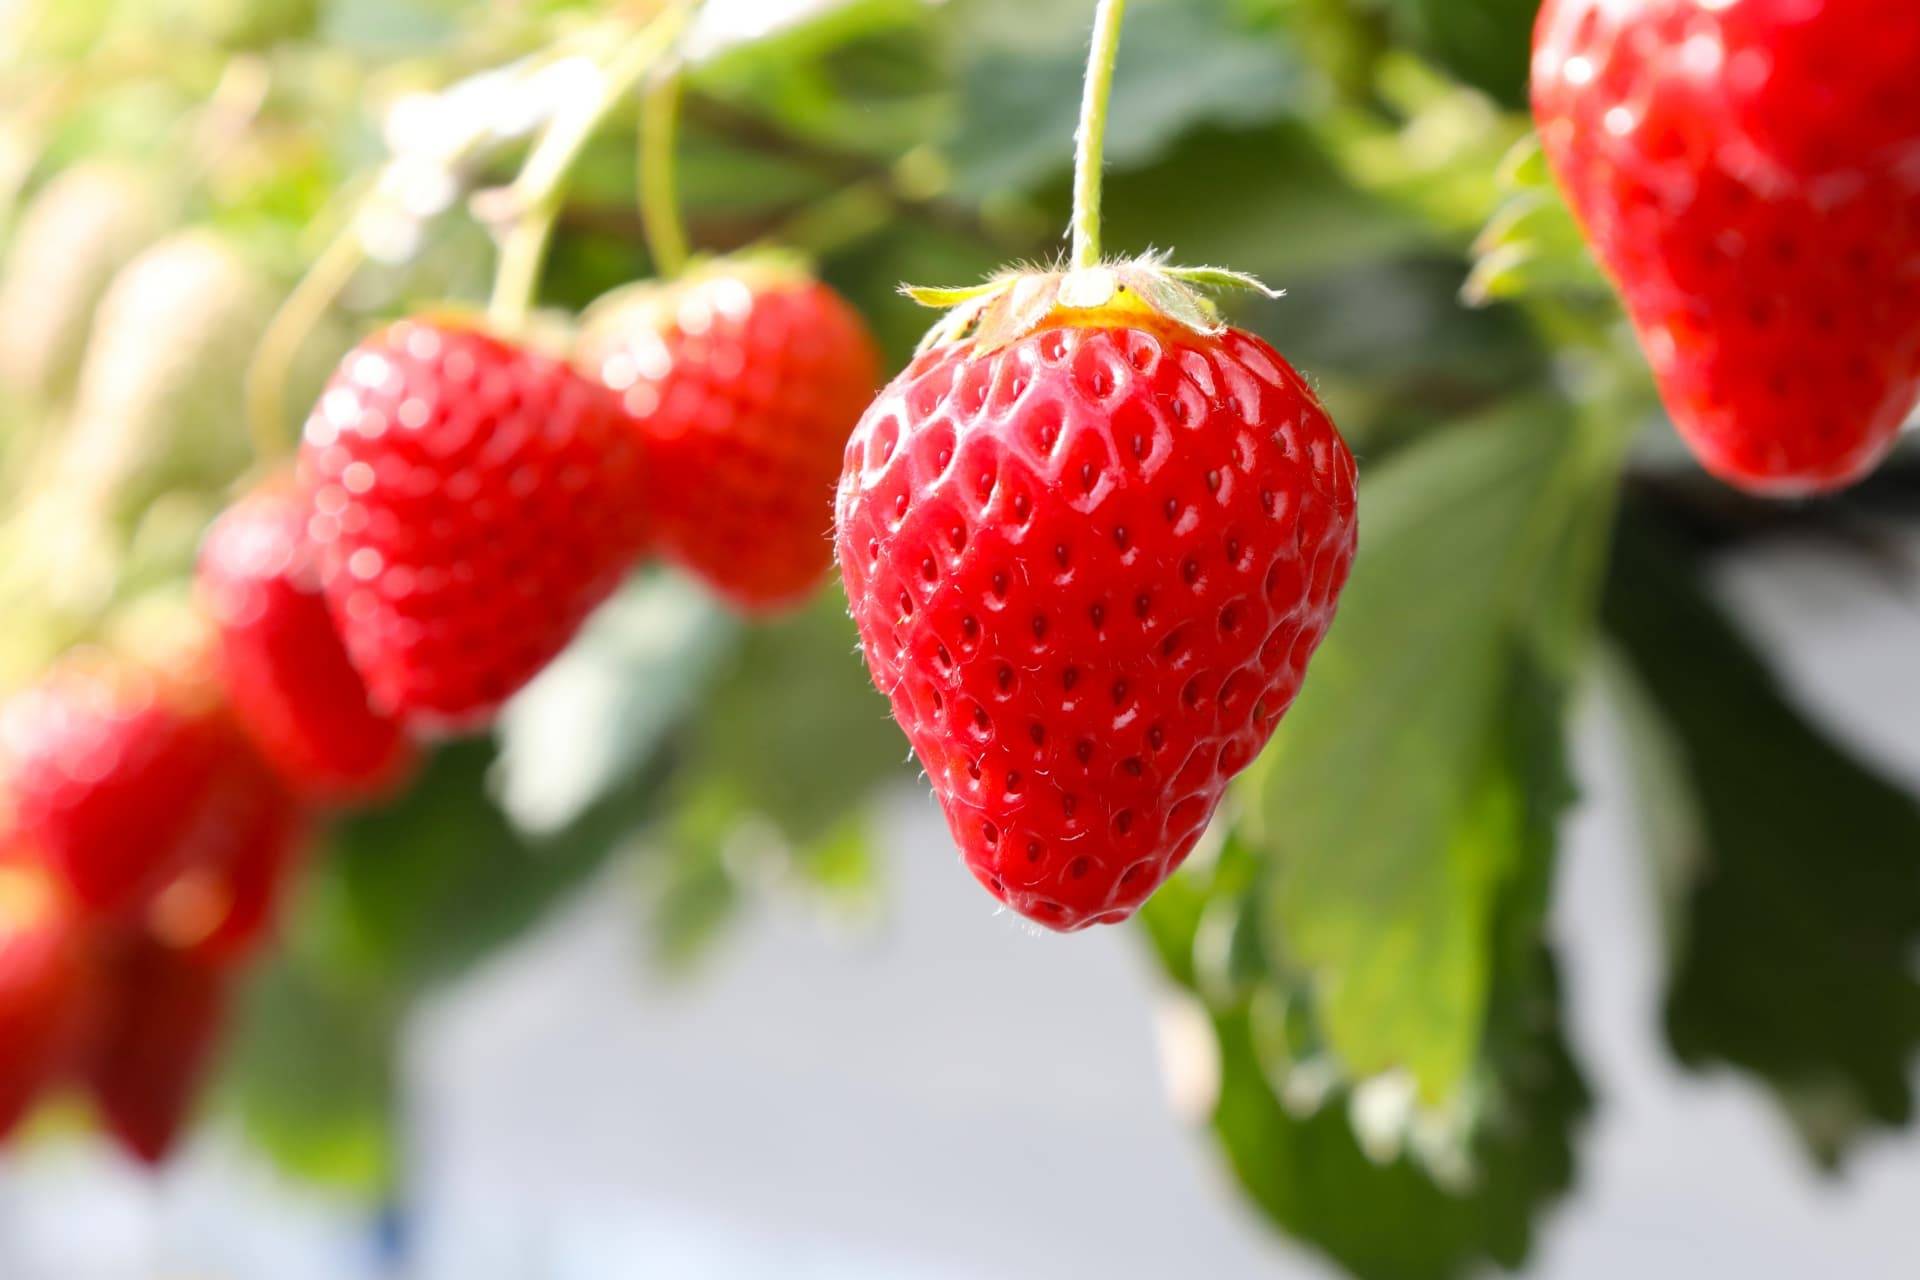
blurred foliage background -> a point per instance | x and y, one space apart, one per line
1365 932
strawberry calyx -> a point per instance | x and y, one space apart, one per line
1019 301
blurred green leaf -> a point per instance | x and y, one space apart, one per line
1531 246
1293 212
1796 870
1486 43
1330 1163
1394 802
311 1074
597 716
1182 64
792 747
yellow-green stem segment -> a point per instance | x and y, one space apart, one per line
1091 139
660 217
536 194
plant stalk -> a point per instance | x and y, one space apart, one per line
1091 138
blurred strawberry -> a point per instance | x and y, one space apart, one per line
287 673
1746 173
109 769
744 380
473 501
78 231
160 1022
46 978
252 835
157 403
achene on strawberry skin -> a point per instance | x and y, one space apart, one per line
1746 173
1088 569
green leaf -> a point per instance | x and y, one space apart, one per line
1392 1220
311 1072
1794 880
1394 803
1329 1162
758 800
595 718
1531 246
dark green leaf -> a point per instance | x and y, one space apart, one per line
1795 871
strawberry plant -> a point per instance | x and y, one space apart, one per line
458 460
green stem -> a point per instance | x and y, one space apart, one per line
533 201
266 384
1092 135
660 219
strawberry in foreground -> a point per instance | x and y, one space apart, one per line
109 770
1745 171
743 380
1091 538
45 983
286 671
161 1022
473 501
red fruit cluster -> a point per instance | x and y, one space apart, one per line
143 855
1088 569
743 384
462 504
1746 173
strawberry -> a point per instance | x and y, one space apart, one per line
743 381
473 501
109 770
45 980
285 669
161 1022
225 904
1090 548
1746 173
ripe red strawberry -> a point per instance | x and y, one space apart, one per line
109 769
473 502
1747 173
287 674
46 978
224 906
1089 553
162 1017
744 381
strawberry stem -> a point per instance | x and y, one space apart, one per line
660 220
266 382
533 201
1091 139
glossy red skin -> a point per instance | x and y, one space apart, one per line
46 980
473 502
1749 174
108 773
154 1044
744 390
1089 570
286 671
224 907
